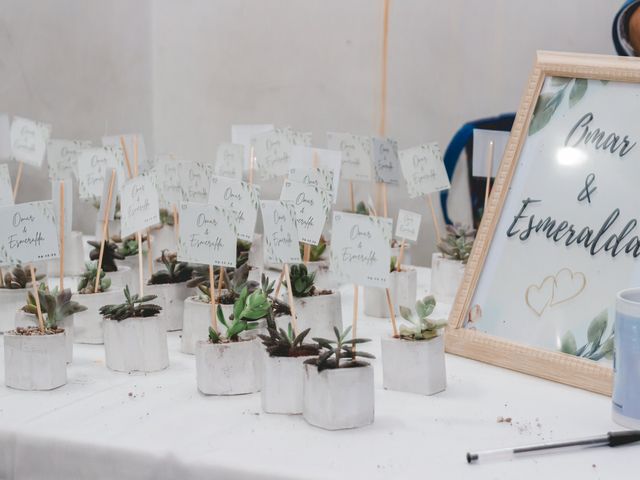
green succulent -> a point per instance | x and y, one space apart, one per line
129 247
335 350
316 251
361 208
87 282
246 310
393 264
301 281
166 217
284 343
174 271
597 347
55 305
18 278
242 252
458 242
421 326
109 257
134 306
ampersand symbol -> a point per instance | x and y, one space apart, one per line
585 193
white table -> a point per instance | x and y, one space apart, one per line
108 425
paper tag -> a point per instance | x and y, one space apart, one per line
229 161
207 235
194 181
299 138
103 199
356 155
312 206
386 167
92 164
29 233
424 170
361 249
408 225
307 157
243 135
68 202
29 141
280 233
6 190
139 205
62 157
166 178
240 199
5 137
129 141
317 177
481 139
272 152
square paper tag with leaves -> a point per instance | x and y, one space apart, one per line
194 181
424 170
308 157
312 206
385 160
408 225
92 164
140 208
207 235
318 177
165 175
272 151
356 155
129 142
361 249
6 190
62 157
229 161
240 199
280 233
29 233
29 141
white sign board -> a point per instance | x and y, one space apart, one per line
240 199
356 155
139 205
424 170
280 233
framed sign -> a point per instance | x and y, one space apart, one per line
560 237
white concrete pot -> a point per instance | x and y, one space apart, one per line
11 300
282 379
414 366
136 344
123 277
403 288
171 298
320 313
227 368
35 362
255 274
446 277
325 279
197 319
406 258
339 398
260 329
73 257
163 238
256 252
88 324
25 320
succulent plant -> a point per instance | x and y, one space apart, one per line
301 281
109 257
246 310
283 343
361 208
458 242
316 251
128 247
174 271
235 281
166 217
134 306
55 305
422 327
19 277
335 350
597 347
242 252
393 264
87 282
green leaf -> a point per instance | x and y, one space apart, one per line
425 307
220 316
597 328
577 91
406 313
544 110
568 344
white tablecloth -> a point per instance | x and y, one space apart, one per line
108 425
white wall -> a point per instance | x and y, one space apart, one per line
183 71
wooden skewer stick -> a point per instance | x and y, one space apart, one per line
140 263
34 284
149 254
126 156
307 253
292 305
251 160
352 197
279 284
354 319
400 256
392 312
18 178
487 190
385 202
175 222
105 224
212 292
61 235
434 217
221 274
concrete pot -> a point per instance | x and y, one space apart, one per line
282 379
414 366
227 368
88 324
136 344
446 277
403 287
256 252
171 298
337 399
123 277
325 279
163 238
73 257
11 300
406 259
197 319
320 313
35 362
25 320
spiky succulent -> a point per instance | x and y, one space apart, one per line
109 257
393 264
341 348
87 282
421 326
284 343
133 307
458 242
234 281
301 281
18 278
246 310
55 305
315 251
174 271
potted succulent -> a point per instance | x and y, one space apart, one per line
319 264
414 362
403 287
164 235
317 310
283 371
88 324
128 248
119 275
73 257
58 310
338 388
447 265
135 337
12 292
170 286
230 363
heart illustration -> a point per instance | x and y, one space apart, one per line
539 297
568 285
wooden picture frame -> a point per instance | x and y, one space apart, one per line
503 352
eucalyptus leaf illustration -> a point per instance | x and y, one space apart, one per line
595 349
545 108
577 91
